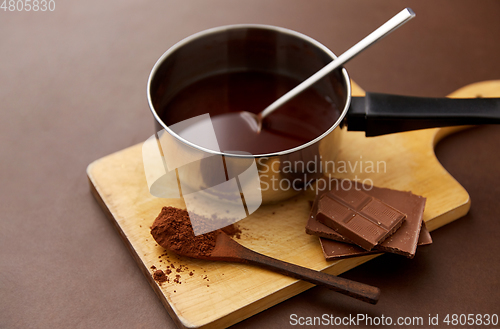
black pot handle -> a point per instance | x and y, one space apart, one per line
380 114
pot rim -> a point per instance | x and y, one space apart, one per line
219 29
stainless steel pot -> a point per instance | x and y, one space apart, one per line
285 52
253 47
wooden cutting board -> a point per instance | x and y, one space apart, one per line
220 294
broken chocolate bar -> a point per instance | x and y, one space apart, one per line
403 241
334 250
364 220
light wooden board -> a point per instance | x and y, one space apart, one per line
221 294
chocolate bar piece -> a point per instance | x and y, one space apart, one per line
424 238
404 241
334 250
359 217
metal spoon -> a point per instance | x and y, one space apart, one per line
228 250
255 120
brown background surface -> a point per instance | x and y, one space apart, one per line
73 89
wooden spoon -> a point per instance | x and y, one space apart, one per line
228 250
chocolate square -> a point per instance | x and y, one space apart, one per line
404 241
361 218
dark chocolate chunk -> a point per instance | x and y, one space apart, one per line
361 218
424 238
334 250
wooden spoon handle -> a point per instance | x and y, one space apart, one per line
347 287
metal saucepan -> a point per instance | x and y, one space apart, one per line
285 52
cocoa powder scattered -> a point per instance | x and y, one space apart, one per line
159 276
172 230
177 278
232 230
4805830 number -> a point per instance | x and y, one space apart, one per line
28 5
471 319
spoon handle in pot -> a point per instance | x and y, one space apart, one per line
379 114
347 287
391 25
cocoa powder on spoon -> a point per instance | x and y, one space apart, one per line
172 230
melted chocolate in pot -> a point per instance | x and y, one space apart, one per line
223 96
